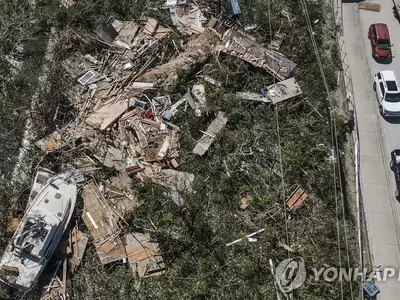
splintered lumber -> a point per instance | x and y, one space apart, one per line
209 136
107 115
296 198
369 6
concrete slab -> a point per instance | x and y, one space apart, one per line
372 171
376 199
382 231
369 145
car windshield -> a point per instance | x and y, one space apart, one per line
384 44
395 97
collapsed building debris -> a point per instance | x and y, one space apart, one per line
121 122
274 93
239 45
209 136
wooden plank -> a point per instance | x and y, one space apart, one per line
369 6
64 278
208 138
296 198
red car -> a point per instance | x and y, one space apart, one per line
379 36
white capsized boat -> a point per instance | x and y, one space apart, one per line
40 231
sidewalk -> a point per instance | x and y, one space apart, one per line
377 202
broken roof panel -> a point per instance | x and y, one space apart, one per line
283 90
237 44
275 93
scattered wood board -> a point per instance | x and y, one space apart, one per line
297 198
208 137
369 6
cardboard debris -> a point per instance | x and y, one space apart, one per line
208 137
51 142
297 198
241 46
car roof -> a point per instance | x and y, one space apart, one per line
389 75
382 31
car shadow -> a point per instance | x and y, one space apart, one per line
384 62
392 120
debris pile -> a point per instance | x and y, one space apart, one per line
121 122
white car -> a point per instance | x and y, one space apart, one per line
388 93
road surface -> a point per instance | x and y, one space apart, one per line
377 138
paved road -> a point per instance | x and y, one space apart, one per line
377 138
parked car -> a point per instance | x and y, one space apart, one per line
388 93
395 166
379 36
